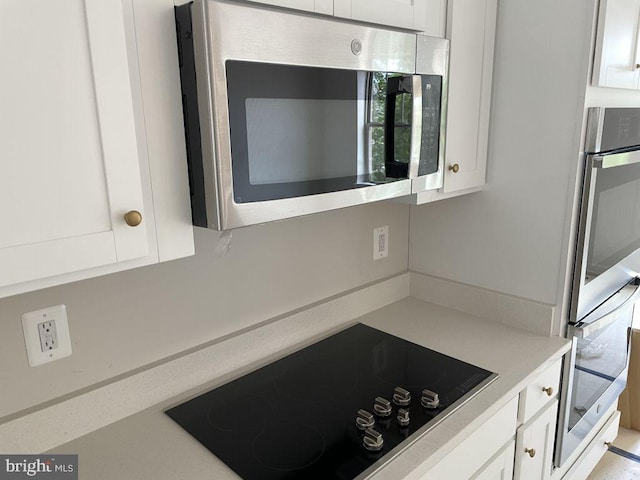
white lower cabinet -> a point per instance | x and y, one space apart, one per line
469 459
500 467
538 393
506 446
586 462
537 413
534 446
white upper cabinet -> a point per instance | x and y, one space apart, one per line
70 163
617 61
71 168
435 23
427 16
318 6
410 14
471 28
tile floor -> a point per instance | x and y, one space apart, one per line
615 467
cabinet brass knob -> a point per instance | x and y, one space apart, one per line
608 444
530 451
133 218
454 168
637 66
548 390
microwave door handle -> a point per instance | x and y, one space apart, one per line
585 329
397 86
416 127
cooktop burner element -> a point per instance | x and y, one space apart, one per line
333 410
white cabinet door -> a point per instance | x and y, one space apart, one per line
435 22
534 446
319 6
616 61
69 169
323 6
410 14
473 454
500 467
471 28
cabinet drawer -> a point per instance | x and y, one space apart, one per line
468 457
594 452
542 389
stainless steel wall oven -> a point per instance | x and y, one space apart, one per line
606 275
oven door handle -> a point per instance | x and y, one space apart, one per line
584 329
609 160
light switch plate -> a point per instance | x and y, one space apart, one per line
46 335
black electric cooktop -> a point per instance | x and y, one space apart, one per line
333 410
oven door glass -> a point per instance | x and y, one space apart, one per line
615 219
299 131
602 355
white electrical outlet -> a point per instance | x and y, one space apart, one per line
46 335
380 242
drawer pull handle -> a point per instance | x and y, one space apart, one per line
608 444
530 451
548 390
455 168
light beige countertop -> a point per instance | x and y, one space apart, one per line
149 445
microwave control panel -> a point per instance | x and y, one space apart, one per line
431 110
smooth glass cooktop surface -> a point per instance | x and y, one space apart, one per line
296 417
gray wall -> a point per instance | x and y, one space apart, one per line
124 321
514 236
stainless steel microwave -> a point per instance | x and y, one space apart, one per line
289 114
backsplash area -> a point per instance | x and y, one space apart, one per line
125 321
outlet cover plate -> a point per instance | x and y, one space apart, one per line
380 242
32 338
